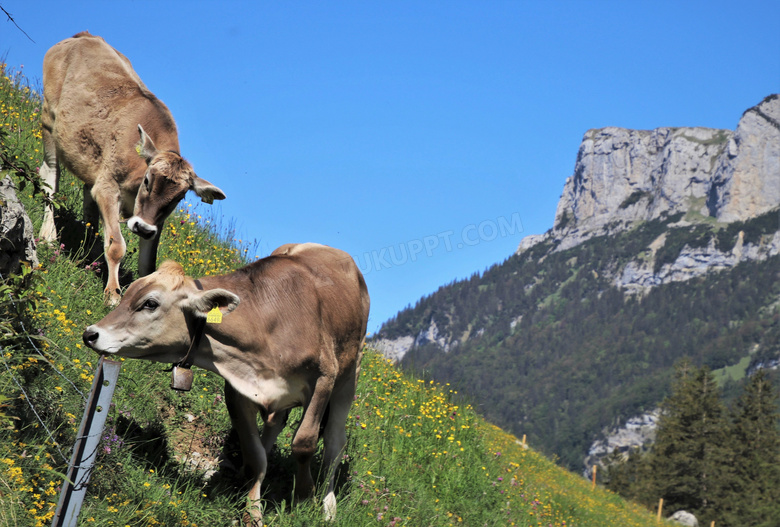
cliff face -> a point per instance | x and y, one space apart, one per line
746 181
625 176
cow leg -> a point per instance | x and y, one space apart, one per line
107 198
335 439
50 176
147 253
272 427
305 441
243 416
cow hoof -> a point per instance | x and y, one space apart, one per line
329 504
250 520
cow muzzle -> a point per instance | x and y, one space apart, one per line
141 228
90 337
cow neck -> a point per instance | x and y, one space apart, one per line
181 374
200 326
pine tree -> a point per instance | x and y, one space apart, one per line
689 463
629 475
756 496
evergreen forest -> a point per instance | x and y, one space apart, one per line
723 465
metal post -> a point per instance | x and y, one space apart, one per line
74 488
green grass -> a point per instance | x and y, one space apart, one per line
694 215
735 372
721 137
418 454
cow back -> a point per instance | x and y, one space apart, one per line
93 104
301 297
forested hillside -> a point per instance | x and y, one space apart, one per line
548 347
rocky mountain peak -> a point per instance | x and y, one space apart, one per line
625 176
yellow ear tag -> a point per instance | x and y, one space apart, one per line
138 149
214 316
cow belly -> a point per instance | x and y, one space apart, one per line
273 393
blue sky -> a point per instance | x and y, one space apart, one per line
424 138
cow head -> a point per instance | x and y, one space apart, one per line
154 318
167 179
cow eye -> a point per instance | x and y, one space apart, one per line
151 304
146 182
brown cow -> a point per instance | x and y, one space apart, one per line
293 337
94 109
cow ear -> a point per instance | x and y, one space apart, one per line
145 146
201 302
205 190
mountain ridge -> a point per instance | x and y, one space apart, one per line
623 176
660 249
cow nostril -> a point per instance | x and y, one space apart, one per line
141 228
144 231
90 336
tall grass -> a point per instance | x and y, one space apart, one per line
418 454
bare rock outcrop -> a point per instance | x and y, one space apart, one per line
624 176
638 432
16 232
746 180
640 275
394 349
684 518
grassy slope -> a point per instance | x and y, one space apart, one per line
418 454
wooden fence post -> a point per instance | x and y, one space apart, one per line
595 468
660 509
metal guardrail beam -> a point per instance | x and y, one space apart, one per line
74 488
